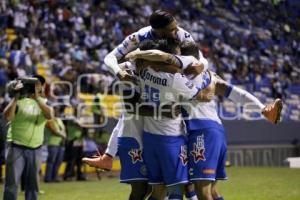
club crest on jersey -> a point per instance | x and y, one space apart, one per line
183 155
133 38
198 149
136 155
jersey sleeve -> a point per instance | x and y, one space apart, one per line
130 43
184 35
184 87
186 61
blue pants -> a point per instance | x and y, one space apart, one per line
131 157
55 158
166 159
21 159
207 154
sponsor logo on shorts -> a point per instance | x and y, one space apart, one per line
191 171
183 155
198 149
143 170
209 171
136 155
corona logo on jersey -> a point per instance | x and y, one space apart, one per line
183 155
136 155
198 149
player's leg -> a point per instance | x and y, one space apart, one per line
204 151
271 111
158 192
190 193
139 190
215 193
203 189
221 172
133 169
172 156
152 146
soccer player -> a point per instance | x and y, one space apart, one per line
165 150
162 25
206 133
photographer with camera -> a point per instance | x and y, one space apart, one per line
28 114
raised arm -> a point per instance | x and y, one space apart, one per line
10 110
111 60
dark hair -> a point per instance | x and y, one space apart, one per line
160 19
188 48
166 45
40 78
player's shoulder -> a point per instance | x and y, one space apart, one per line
144 30
144 33
140 35
184 35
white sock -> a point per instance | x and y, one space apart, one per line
244 98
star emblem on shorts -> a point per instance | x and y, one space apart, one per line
136 155
198 153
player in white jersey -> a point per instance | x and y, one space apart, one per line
165 151
162 25
206 133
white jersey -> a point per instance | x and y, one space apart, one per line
195 111
132 41
131 125
160 88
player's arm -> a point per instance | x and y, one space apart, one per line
187 90
154 55
188 64
111 60
10 110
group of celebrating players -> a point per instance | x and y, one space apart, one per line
170 138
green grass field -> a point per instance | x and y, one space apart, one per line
243 184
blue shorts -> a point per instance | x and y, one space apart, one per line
131 158
207 154
166 159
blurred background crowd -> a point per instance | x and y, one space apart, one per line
251 43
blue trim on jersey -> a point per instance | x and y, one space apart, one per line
148 35
228 91
118 49
198 90
206 81
200 124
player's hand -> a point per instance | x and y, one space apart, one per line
194 69
103 162
123 75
